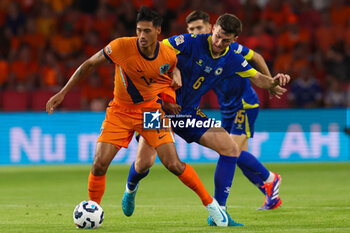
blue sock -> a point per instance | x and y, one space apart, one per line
225 170
134 177
252 177
249 161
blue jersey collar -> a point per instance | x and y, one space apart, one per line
211 52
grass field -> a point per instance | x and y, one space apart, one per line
316 198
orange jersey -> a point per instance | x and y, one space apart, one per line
139 78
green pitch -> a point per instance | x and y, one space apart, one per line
316 198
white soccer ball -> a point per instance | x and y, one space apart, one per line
88 214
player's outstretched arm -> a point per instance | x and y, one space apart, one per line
267 82
82 70
260 64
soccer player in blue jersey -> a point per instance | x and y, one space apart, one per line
203 60
239 113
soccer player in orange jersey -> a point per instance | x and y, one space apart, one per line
143 70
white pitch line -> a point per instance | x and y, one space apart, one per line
186 206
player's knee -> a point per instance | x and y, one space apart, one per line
175 167
143 166
99 168
229 149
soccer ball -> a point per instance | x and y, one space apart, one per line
88 214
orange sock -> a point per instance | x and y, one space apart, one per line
190 178
96 186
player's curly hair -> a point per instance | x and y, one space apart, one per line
146 14
230 24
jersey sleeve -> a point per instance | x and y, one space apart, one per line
112 49
241 67
244 51
181 43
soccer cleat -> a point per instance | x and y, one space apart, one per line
231 222
218 216
273 199
128 202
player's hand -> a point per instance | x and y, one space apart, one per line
171 108
53 102
281 79
176 83
277 92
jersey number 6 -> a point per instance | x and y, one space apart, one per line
198 83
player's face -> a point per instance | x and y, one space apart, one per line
220 40
147 33
198 27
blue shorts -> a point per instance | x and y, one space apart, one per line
242 122
193 131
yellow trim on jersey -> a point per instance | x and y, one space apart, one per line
249 106
247 129
211 52
248 73
249 55
166 42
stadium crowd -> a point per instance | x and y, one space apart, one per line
43 41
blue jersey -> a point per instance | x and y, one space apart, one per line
235 94
200 71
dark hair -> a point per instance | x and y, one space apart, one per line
230 24
146 14
197 15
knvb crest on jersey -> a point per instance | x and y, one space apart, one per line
164 68
151 120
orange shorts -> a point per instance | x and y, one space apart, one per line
123 120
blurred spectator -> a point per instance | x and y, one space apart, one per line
340 12
138 3
300 58
338 62
15 19
250 14
5 42
292 36
46 21
32 37
348 97
127 16
4 72
320 5
335 97
50 72
103 22
305 90
92 43
276 14
308 18
161 7
59 5
308 39
325 33
93 93
25 68
66 44
260 41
